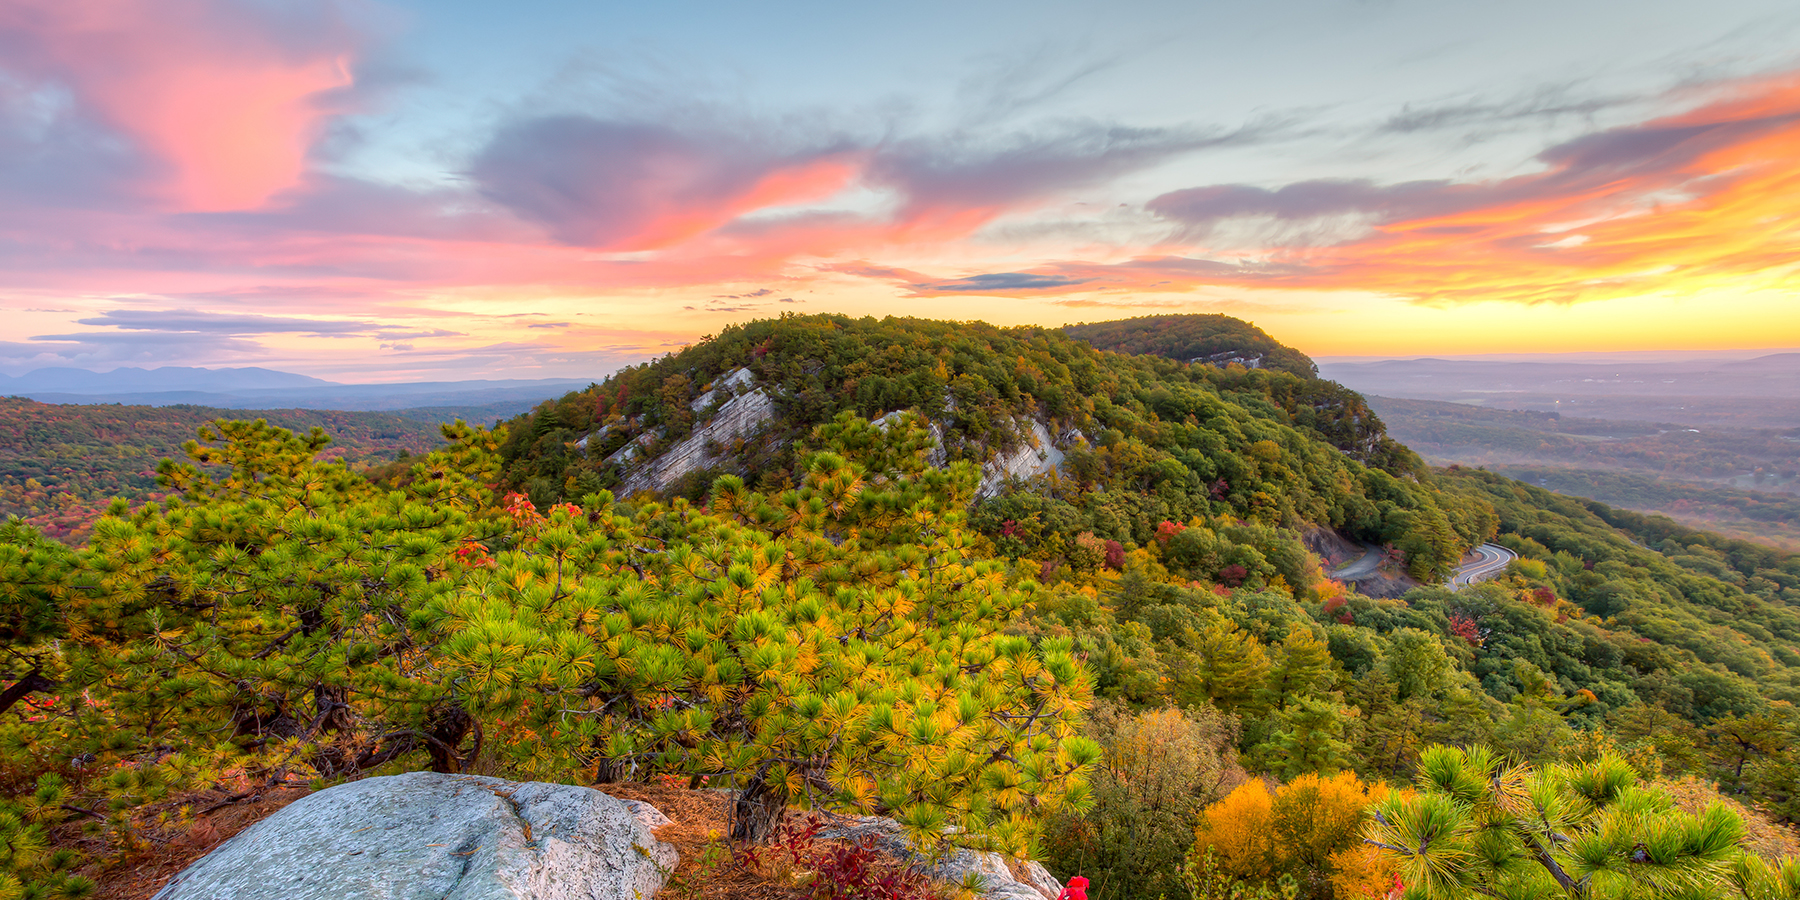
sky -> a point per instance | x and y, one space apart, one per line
445 190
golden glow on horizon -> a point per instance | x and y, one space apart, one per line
1738 228
1379 326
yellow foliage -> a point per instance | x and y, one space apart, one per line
1318 815
1238 830
1309 828
1361 872
1327 590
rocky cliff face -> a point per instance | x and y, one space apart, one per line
742 416
1036 455
737 418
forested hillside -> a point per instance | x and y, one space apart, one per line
1341 415
1007 588
1195 338
1151 439
1173 538
60 464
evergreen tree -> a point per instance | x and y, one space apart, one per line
278 618
1479 826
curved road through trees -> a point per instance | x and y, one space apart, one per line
1490 560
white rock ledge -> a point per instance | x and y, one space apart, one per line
424 836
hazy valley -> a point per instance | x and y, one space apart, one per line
1722 452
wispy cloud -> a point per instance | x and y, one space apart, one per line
633 186
1679 203
1000 282
952 185
1485 115
192 321
103 349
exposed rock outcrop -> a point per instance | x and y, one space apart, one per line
738 418
1249 359
998 879
423 835
1034 456
742 411
726 386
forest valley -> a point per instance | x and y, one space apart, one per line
1131 667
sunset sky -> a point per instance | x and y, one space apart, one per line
457 189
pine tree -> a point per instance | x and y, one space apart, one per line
1226 666
1309 737
841 644
1482 827
1302 667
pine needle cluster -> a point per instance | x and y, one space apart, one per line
1480 826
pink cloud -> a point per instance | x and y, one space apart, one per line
224 99
207 111
632 186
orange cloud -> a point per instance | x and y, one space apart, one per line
1705 199
1715 206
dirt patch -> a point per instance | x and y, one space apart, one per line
698 824
1331 548
1384 586
169 849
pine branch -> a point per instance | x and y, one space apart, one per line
1556 871
33 682
276 644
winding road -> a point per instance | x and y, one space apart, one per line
1490 560
1361 567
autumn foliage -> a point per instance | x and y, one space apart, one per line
280 618
1309 830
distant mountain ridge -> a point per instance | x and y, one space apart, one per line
1430 377
258 388
166 378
